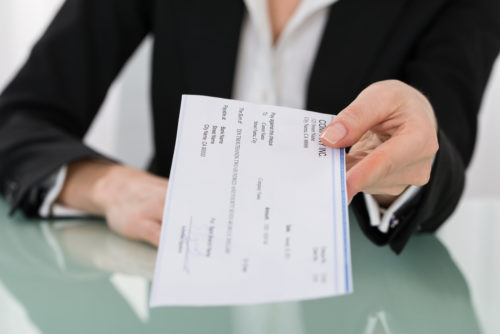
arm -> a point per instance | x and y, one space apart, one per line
48 107
131 200
449 69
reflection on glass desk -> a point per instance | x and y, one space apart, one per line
472 236
78 277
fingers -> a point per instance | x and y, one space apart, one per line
148 224
148 231
390 168
374 105
137 228
391 129
154 208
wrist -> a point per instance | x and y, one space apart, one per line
88 184
107 186
385 201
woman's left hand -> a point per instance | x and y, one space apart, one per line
392 129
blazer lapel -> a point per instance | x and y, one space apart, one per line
351 41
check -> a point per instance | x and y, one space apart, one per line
256 208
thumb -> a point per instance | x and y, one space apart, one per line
369 109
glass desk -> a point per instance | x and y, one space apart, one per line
78 277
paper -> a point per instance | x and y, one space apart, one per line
256 208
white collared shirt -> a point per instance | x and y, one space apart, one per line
274 73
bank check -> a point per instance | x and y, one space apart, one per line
256 208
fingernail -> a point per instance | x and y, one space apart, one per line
334 133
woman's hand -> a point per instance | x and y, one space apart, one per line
131 200
393 133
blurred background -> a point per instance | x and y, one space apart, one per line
122 130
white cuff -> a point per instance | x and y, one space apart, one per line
57 183
51 209
384 218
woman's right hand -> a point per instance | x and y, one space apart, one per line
131 200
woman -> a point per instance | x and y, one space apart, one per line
405 77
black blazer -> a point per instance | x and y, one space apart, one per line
445 48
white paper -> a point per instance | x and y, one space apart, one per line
256 208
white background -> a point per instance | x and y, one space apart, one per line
123 130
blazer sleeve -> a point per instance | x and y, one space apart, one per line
451 65
49 105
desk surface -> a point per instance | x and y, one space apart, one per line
78 277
